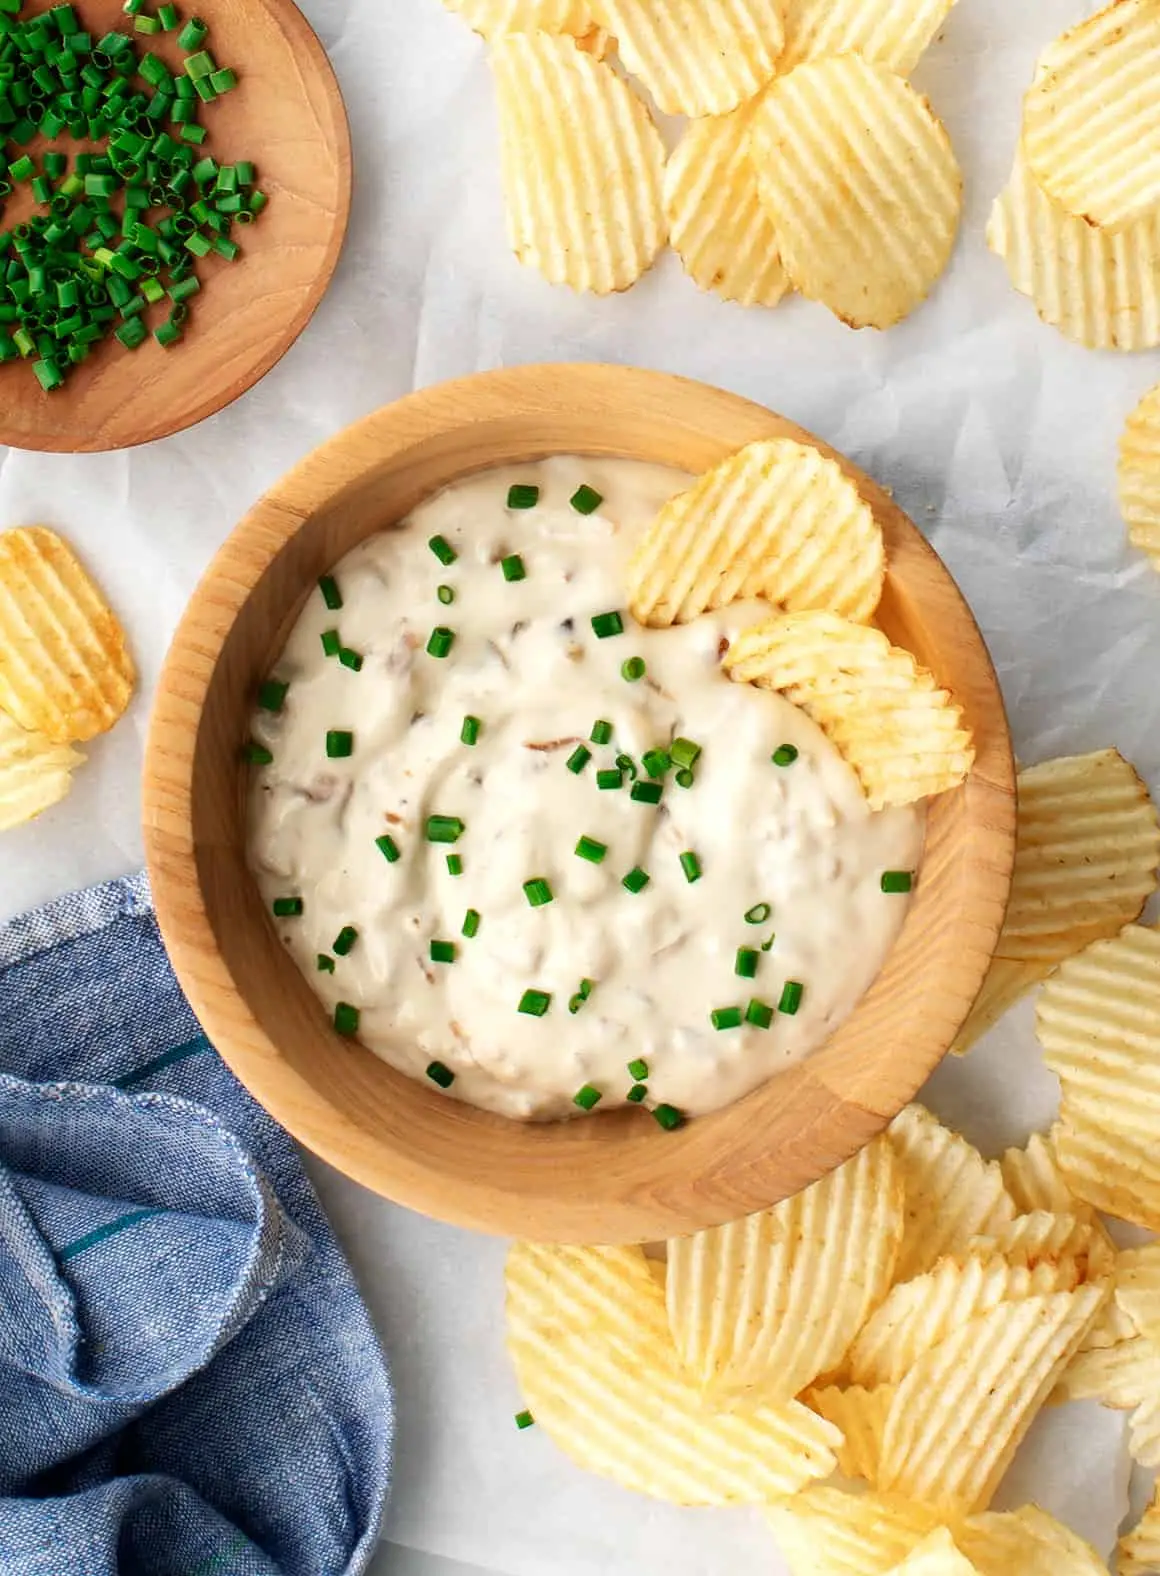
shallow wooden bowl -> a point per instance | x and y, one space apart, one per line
614 1177
286 116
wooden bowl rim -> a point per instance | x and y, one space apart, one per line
838 1127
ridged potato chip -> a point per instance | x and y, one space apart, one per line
1125 1377
962 1410
882 31
1042 1237
826 1532
936 1555
588 1335
582 164
766 1304
862 186
717 224
1114 1170
952 1194
777 520
861 1415
493 18
904 737
1091 119
1138 1288
1026 1542
35 773
1138 1551
65 668
1006 983
1099 289
696 57
1034 1180
1139 474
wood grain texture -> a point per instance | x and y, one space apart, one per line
288 118
616 1176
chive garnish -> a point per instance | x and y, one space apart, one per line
454 865
441 1075
469 733
726 1017
331 643
351 659
747 960
609 777
791 997
440 641
601 732
272 697
669 1117
444 829
538 892
523 495
344 941
684 778
513 567
766 945
759 1014
331 595
758 914
784 755
586 500
581 996
257 754
638 1070
535 1003
524 1420
684 752
656 762
443 550
587 1098
446 594
637 1093
691 865
288 907
471 923
627 766
647 793
346 1018
387 846
636 880
325 963
442 952
632 669
588 848
895 881
605 625
579 758
339 744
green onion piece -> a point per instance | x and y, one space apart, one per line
684 778
387 846
601 732
669 1117
578 759
633 669
192 33
726 1017
627 766
471 923
257 754
272 695
759 1014
684 752
339 744
351 659
538 892
649 793
444 829
691 865
454 865
167 16
605 625
331 595
636 880
344 941
791 997
588 848
586 500
587 1098
469 733
513 567
784 755
609 777
581 996
346 1018
441 1075
638 1070
446 595
200 65
331 643
656 762
637 1093
895 881
224 81
288 907
535 1003
747 960
766 945
524 1420
758 914
442 548
443 952
325 963
523 495
441 641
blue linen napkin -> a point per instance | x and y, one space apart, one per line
189 1382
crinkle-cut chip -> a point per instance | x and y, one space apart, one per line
1127 1379
1042 1237
697 57
1139 472
717 224
952 1193
883 31
1091 119
1112 1328
826 1532
1100 289
582 164
1026 1542
35 773
862 185
936 1555
1114 1170
1034 1180
904 737
1006 983
1138 1288
493 18
961 1412
766 1304
861 1415
596 41
65 668
1138 1551
589 1338
778 520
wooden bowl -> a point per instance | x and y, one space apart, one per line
614 1177
287 116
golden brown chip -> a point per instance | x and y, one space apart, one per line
65 668
952 1194
904 736
1138 1289
1098 288
861 1416
588 1335
1125 1377
961 1412
936 1555
1139 473
862 186
582 163
1032 1177
716 221
825 1532
1138 1551
696 57
1091 119
766 1304
883 31
1026 1542
493 18
778 520
1040 1238
35 773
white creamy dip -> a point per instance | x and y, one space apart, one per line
527 664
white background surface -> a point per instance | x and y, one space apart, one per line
996 434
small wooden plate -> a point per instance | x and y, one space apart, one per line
611 1177
287 116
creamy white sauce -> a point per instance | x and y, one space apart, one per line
526 662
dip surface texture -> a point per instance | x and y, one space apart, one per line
525 661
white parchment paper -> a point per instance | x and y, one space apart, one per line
995 433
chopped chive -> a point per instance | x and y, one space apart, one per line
441 1075
469 733
636 880
684 752
684 778
444 829
791 997
442 549
272 697
669 1117
627 765
691 865
350 659
578 759
325 963
344 941
766 945
581 996
387 846
637 1093
648 793
758 914
331 595
339 744
726 1017
446 594
443 952
609 777
601 732
587 1098
895 881
257 754
784 755
638 1070
454 865
523 495
605 625
346 1018
471 923
633 669
588 848
656 762
747 960
192 33
586 500
513 567
538 892
441 641
524 1420
331 643
535 1003
759 1014
288 907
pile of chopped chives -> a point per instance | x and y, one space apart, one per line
121 233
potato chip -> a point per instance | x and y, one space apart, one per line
1034 1180
1006 983
1127 1379
696 57
716 221
1138 1551
1138 1288
65 669
768 1303
882 31
961 1412
1139 473
589 1338
35 773
1091 119
1098 288
936 1555
904 737
1026 1542
862 186
1114 1170
1042 1237
952 1193
825 1532
1112 1328
778 520
493 18
582 163
861 1416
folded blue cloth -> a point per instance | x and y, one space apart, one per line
189 1382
